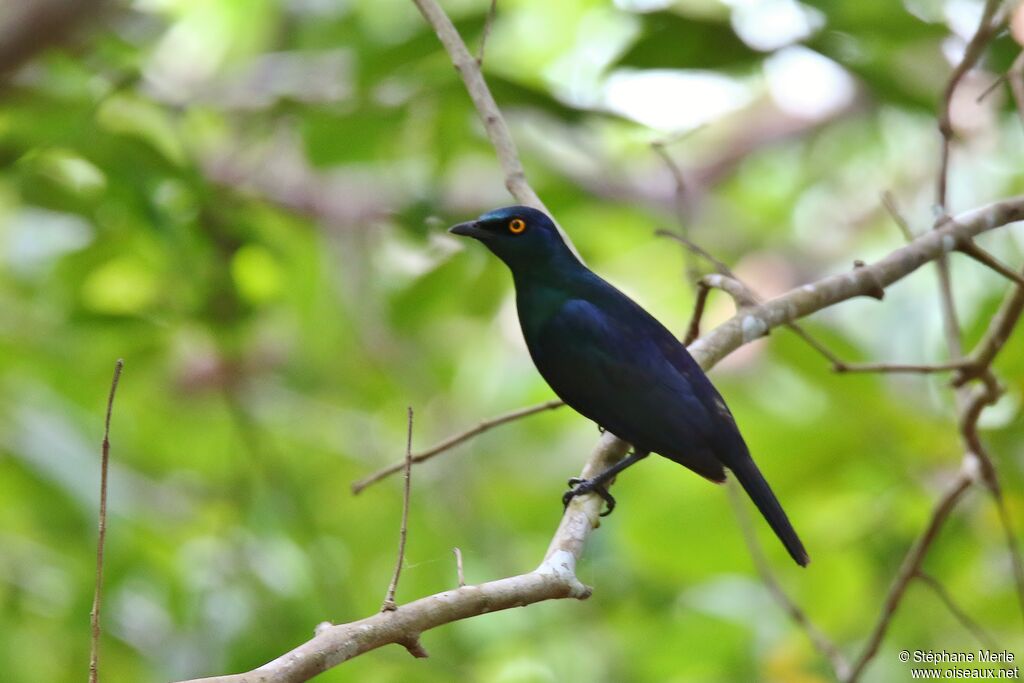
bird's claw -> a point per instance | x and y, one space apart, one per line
583 486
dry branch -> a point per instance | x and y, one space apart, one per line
97 596
958 613
819 640
455 440
556 577
912 562
494 123
389 598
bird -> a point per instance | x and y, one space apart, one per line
616 364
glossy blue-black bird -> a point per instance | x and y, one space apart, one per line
613 362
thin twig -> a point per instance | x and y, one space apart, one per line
961 616
987 29
911 565
990 88
889 202
970 411
494 123
455 440
458 567
903 368
972 53
692 246
998 333
693 329
97 596
969 405
1010 538
556 578
488 25
818 639
950 319
985 258
389 600
684 211
799 331
726 280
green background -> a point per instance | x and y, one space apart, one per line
247 200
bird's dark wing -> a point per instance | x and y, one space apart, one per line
617 368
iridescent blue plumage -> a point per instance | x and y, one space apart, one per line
613 362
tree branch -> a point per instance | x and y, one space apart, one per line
965 620
389 598
969 405
923 368
97 596
555 578
488 24
912 563
998 333
494 123
986 259
987 29
455 440
825 647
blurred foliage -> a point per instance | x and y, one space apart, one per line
246 202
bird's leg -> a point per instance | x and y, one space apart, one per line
597 483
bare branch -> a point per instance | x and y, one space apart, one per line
455 440
695 248
923 369
488 25
335 644
740 293
912 564
987 29
819 640
727 281
987 259
1012 546
693 329
684 212
97 596
990 88
961 616
889 202
389 598
969 405
556 578
494 123
458 567
998 333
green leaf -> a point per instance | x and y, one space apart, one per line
669 40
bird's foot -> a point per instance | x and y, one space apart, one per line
583 486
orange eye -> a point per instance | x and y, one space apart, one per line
516 226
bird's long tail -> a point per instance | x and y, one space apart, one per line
757 488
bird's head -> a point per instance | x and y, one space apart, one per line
522 237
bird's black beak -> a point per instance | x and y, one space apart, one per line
469 229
